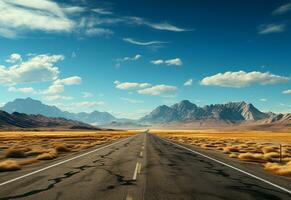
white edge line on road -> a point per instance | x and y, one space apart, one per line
225 164
64 161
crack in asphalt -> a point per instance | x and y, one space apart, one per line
54 182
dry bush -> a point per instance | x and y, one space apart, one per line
233 155
257 157
268 149
284 170
16 152
9 165
61 147
49 155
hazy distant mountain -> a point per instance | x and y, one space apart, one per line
20 120
185 111
31 106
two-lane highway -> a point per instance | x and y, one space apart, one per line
141 167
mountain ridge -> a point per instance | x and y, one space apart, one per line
231 112
34 107
18 120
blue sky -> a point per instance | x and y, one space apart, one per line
127 57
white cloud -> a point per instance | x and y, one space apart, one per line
130 85
44 15
39 68
188 82
28 90
272 28
127 59
87 94
74 80
136 57
159 90
102 11
157 62
54 89
132 101
89 104
15 57
286 92
57 97
263 100
99 32
282 9
58 86
132 41
74 9
158 26
175 61
243 79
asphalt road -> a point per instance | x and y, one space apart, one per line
140 167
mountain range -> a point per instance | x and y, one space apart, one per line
183 112
233 112
35 107
23 121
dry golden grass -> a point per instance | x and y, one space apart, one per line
29 147
260 147
280 169
9 165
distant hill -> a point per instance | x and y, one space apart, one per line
229 113
23 121
31 106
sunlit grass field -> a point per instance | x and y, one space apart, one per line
18 149
271 149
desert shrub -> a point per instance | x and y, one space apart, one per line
257 157
51 154
15 152
280 169
9 165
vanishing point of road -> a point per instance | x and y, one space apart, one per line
144 166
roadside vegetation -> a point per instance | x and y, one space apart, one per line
271 150
18 149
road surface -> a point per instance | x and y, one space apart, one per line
140 167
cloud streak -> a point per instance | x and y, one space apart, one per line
271 28
282 9
174 61
132 41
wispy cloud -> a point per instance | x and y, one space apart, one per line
164 26
18 16
98 32
27 90
263 99
271 28
174 61
131 101
282 9
130 85
102 11
188 82
87 94
286 92
159 90
241 79
147 88
127 59
132 41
